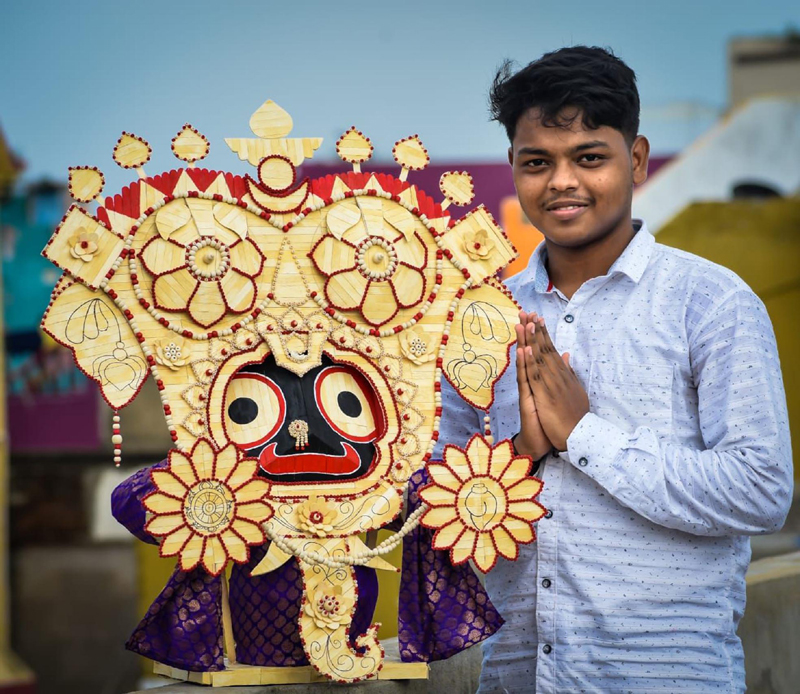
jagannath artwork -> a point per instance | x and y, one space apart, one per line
299 332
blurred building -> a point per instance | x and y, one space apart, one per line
15 677
59 441
733 196
10 166
764 66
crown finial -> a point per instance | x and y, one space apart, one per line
86 183
271 124
190 145
411 154
132 152
270 121
457 188
354 147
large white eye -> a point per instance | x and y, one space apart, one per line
254 409
347 402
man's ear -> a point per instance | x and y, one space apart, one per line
511 156
640 156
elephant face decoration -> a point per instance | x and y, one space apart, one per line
299 332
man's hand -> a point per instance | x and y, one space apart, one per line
560 399
531 439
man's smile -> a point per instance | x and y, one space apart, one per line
566 210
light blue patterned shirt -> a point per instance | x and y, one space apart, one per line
636 581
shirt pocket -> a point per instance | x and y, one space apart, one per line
632 394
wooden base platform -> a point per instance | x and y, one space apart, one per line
237 674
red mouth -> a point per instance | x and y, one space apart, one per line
304 463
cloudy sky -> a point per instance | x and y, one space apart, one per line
75 74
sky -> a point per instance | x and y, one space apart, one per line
74 75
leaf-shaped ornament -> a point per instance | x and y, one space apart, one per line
270 121
190 145
353 147
101 339
131 151
411 154
85 183
478 346
457 187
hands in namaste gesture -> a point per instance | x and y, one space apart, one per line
551 398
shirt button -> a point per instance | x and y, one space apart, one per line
569 318
547 648
583 462
548 514
546 583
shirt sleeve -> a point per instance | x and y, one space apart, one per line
458 423
740 481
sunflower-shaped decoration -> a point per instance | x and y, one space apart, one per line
373 259
208 506
202 260
482 503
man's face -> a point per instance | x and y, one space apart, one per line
575 184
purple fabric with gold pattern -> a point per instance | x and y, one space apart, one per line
265 609
126 502
443 609
183 627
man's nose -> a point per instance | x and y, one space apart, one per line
563 177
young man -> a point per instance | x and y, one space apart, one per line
647 387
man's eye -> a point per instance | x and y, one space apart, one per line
590 158
534 163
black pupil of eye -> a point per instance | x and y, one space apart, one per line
243 410
349 403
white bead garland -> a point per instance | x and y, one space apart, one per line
359 558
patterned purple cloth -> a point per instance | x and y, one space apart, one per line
183 627
265 609
126 502
443 609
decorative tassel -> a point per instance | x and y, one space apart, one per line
299 430
116 439
487 430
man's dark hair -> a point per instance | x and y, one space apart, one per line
590 79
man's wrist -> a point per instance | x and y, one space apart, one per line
517 452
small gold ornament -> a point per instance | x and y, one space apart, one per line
299 430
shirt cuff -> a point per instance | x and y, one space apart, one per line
594 444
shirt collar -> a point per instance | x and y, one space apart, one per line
632 262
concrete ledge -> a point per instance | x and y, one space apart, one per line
457 675
770 628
